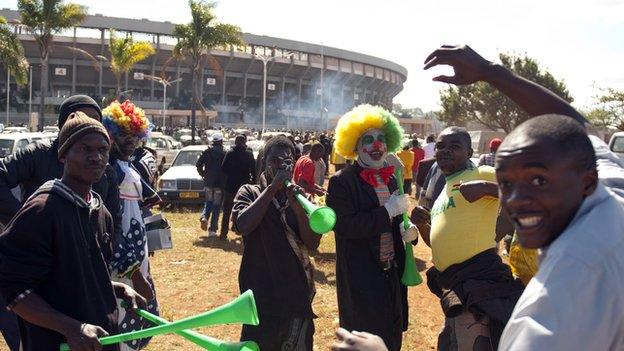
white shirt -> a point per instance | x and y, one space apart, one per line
576 299
429 149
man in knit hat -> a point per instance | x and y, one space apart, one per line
38 163
54 253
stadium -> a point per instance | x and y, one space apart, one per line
308 85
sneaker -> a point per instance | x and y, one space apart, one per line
203 223
212 233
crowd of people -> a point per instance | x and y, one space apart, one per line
76 247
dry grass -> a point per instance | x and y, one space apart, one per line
200 274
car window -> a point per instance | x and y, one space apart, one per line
22 143
187 158
157 143
6 147
618 144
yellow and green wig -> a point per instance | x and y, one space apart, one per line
354 123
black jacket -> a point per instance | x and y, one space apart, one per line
367 299
58 247
209 166
239 168
37 164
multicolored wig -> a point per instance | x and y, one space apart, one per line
361 118
126 118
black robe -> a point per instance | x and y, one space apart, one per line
55 246
369 298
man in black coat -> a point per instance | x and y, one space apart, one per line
209 166
239 168
370 255
38 163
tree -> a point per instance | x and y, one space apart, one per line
125 53
44 18
196 39
483 103
610 110
12 53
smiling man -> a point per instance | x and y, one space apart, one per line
563 190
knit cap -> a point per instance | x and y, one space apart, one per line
74 103
78 125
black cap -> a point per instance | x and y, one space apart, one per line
73 104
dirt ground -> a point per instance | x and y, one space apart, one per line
199 274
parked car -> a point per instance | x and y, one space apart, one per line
9 130
165 147
10 143
616 144
181 184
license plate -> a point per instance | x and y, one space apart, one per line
189 195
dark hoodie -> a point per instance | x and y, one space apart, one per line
58 246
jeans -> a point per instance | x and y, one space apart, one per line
228 202
214 200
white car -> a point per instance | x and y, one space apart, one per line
616 144
165 147
11 143
181 184
11 130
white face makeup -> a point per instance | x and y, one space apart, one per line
372 149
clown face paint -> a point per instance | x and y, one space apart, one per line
372 149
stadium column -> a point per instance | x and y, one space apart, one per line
155 58
303 73
73 87
292 62
101 71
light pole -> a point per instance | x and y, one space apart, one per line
29 92
264 60
7 97
165 83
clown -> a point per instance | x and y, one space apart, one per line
127 127
369 238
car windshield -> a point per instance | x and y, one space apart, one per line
187 158
157 143
6 146
618 144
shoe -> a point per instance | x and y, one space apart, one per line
203 223
223 236
212 233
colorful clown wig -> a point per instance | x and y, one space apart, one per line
126 119
354 123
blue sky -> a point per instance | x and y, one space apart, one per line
580 42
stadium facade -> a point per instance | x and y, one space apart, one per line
308 89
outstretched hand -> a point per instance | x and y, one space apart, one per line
468 65
357 341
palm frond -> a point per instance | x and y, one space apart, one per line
12 53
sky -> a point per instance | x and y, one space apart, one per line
579 42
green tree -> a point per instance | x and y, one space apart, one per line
44 18
125 53
12 53
610 109
483 103
196 39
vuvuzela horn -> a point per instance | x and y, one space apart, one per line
241 310
204 341
321 219
411 276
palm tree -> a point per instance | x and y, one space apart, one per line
12 53
197 38
44 18
125 53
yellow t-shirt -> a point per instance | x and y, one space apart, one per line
460 229
523 262
407 157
